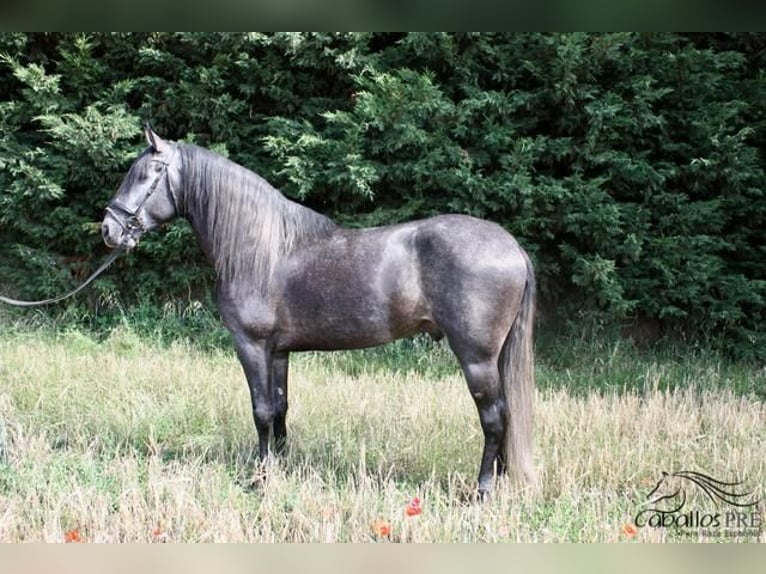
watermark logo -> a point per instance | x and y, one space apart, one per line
694 503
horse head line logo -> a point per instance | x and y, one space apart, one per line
672 487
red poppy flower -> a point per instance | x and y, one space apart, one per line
71 536
413 507
159 535
629 530
381 528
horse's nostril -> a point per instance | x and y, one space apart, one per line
106 234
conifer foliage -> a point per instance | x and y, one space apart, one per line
630 165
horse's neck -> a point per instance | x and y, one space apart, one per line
245 225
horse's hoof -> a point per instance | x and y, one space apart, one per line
483 493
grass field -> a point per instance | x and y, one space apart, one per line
129 440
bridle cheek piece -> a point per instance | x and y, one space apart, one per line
132 225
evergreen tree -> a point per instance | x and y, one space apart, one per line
630 165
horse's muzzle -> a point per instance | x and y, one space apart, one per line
115 235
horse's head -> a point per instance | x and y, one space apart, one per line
147 197
668 487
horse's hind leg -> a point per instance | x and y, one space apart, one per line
483 380
279 383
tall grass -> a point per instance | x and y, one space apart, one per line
125 439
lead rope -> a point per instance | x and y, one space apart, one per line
109 260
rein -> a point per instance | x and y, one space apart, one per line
109 260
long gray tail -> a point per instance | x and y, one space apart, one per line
517 373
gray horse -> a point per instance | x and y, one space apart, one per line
289 279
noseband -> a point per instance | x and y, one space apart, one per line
133 225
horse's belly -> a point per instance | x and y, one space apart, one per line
361 320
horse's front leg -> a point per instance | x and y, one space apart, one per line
279 384
255 356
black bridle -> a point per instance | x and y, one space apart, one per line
132 225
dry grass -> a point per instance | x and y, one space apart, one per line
125 441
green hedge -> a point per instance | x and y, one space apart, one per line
630 165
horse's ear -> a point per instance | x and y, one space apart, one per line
154 141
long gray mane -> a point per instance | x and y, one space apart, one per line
243 223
